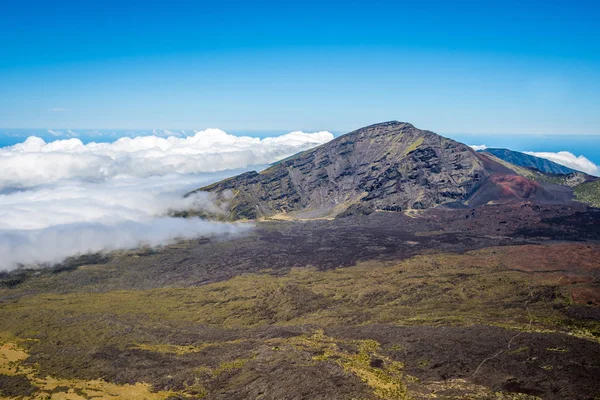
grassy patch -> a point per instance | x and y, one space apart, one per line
589 193
414 145
364 360
181 350
22 381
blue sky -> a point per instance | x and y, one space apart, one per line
496 67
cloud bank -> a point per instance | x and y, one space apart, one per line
36 162
579 163
66 198
53 244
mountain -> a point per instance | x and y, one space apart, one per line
494 302
390 166
528 161
572 179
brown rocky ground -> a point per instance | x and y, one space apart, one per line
495 302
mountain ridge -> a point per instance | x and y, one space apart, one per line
389 166
528 161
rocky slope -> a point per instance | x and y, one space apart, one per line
528 161
390 166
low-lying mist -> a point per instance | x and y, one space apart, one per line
64 198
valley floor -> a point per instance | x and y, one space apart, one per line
499 302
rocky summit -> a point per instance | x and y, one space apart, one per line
390 166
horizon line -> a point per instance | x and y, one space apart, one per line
275 130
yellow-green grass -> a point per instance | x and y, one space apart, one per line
589 193
12 355
439 289
435 289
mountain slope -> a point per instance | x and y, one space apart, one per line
528 161
391 166
388 166
572 179
589 192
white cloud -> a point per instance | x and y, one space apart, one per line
109 202
65 198
48 223
36 162
478 147
55 243
55 133
570 160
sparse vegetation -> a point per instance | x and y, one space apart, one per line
345 308
21 380
589 193
435 289
175 325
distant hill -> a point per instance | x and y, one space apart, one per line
528 161
586 187
391 166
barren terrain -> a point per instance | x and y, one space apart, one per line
500 301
